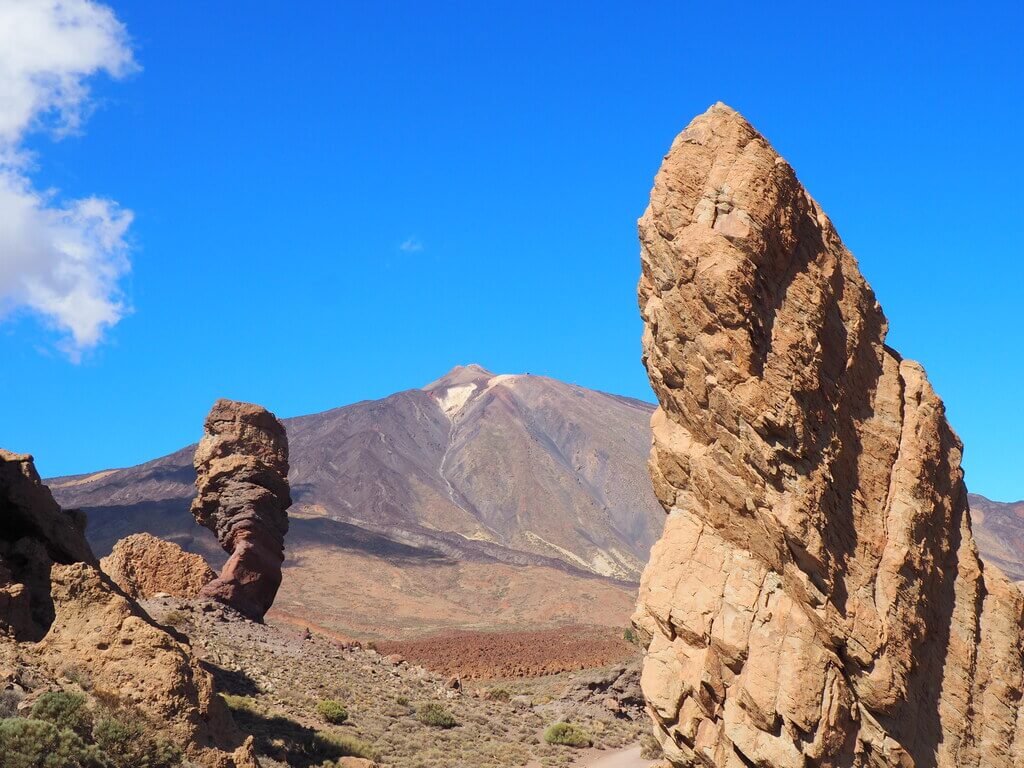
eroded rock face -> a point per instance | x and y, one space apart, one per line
35 533
111 641
243 497
143 565
816 598
79 625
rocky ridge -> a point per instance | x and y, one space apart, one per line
816 598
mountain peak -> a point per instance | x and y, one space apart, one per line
461 375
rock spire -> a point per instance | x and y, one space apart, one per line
816 598
242 495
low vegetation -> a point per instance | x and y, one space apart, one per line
331 711
64 731
567 735
286 741
436 716
500 722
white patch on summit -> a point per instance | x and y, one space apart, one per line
453 399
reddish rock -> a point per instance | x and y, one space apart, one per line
243 496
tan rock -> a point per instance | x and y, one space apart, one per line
35 533
81 628
145 566
816 597
124 653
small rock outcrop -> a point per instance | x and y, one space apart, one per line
109 639
35 533
816 598
243 497
143 566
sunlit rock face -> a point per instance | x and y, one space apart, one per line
816 598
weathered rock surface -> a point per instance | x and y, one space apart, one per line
816 598
35 533
111 641
82 628
243 496
143 566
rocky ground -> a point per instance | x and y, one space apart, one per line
274 677
484 655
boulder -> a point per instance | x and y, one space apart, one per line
816 598
35 533
242 495
145 566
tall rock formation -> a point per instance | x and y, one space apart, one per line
243 496
816 598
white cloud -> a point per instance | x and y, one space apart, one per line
61 259
411 245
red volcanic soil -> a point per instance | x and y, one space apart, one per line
488 655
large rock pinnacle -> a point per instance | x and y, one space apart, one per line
242 495
816 598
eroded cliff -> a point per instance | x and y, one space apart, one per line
816 598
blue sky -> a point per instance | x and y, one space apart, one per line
276 157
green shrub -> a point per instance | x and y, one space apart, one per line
64 710
435 715
567 734
500 694
332 711
241 703
402 701
130 745
348 746
30 743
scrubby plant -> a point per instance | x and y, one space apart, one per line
500 694
31 743
64 710
241 703
130 744
567 735
436 716
331 711
650 749
347 746
9 701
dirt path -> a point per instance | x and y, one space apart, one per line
623 758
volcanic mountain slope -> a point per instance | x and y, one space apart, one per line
480 500
999 531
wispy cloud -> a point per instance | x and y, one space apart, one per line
61 259
411 245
